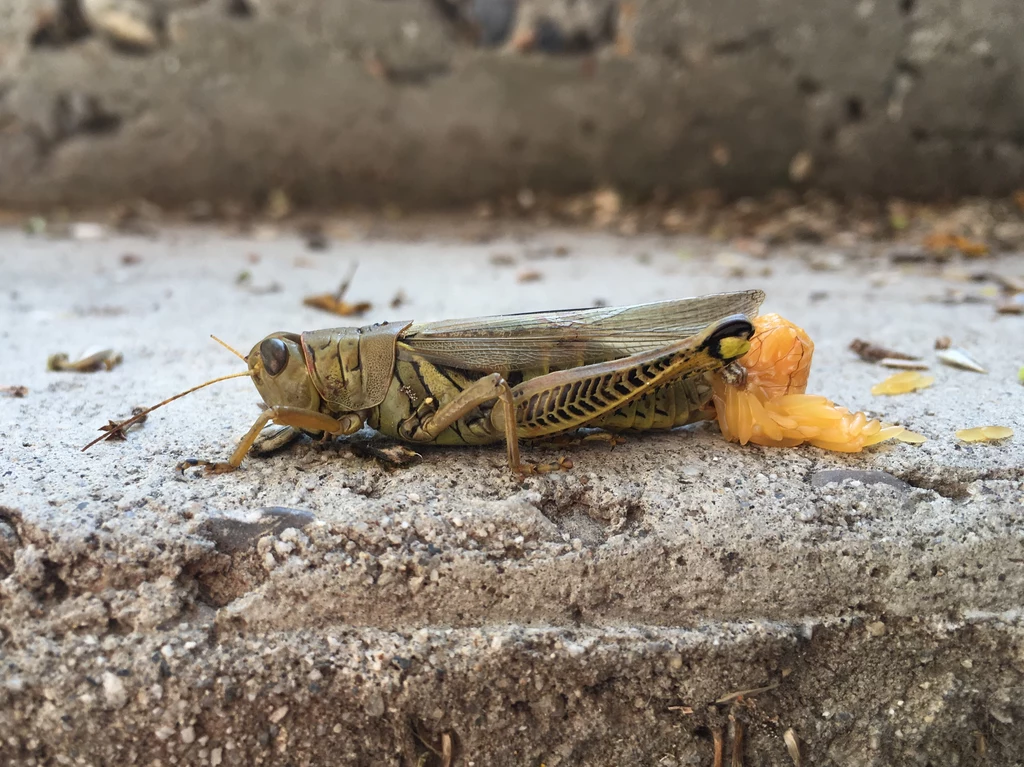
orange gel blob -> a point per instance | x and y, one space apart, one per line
771 407
985 433
901 383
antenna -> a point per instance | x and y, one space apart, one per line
139 416
230 349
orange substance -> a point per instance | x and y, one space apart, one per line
901 383
985 433
770 408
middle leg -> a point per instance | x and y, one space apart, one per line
429 421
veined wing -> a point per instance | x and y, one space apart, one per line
556 340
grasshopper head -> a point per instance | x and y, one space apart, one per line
278 369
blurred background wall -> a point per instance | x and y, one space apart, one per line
425 103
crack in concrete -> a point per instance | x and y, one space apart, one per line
953 483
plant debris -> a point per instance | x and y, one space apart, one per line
870 352
985 433
131 259
530 275
958 358
942 242
444 753
1012 305
14 391
392 456
278 206
738 731
903 364
902 383
116 429
503 259
793 747
244 280
107 359
1007 283
943 342
562 464
335 303
315 236
740 694
399 300
719 744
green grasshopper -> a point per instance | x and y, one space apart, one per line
492 379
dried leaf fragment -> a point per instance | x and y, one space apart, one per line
394 456
902 383
502 259
800 166
335 303
126 26
279 206
719 740
107 359
14 391
687 710
871 352
903 364
446 749
985 433
958 358
793 747
562 464
315 236
942 242
530 275
729 697
1013 305
116 430
738 732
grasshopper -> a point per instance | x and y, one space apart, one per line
495 379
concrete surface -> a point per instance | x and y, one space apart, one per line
416 103
316 608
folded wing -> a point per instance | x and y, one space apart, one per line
556 340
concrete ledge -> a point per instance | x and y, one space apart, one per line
511 695
316 605
370 103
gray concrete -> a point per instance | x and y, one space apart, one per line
316 607
358 102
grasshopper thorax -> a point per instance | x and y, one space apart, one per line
352 368
278 368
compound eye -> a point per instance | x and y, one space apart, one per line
274 354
